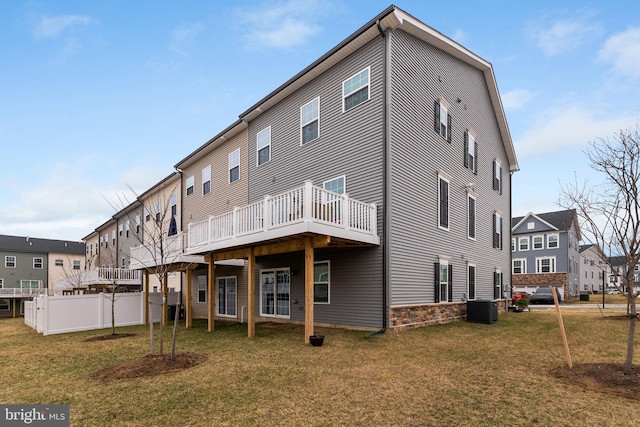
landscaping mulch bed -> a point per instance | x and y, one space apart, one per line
605 377
150 365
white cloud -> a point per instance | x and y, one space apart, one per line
622 50
183 36
561 36
568 127
55 26
281 26
516 98
459 36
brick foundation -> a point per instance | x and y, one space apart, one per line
409 317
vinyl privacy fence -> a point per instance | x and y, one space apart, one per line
60 314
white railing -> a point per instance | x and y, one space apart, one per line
21 292
306 203
147 255
110 275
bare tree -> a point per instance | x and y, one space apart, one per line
610 211
112 275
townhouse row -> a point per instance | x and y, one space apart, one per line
367 191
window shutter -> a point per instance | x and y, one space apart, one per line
495 285
444 203
436 274
437 116
500 181
466 149
450 283
475 159
493 175
449 127
472 217
499 237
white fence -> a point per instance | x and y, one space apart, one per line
60 314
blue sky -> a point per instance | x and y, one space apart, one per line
99 96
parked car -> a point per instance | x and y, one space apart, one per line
612 291
519 295
543 295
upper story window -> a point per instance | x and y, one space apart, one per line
355 90
113 237
157 211
443 119
120 229
337 185
147 216
37 263
443 200
497 176
321 282
60 263
189 184
206 180
174 204
552 241
513 244
310 121
523 243
497 230
234 166
137 224
471 151
263 146
76 264
471 216
127 228
538 242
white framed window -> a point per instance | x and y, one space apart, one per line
123 262
310 121
497 285
336 185
120 229
471 216
226 299
174 204
519 266
471 281
263 146
29 284
202 288
127 228
76 264
137 224
206 180
513 244
60 263
321 282
497 230
538 242
443 118
1 283
234 166
155 289
275 291
147 212
443 200
546 264
189 185
4 304
157 206
523 243
470 151
38 263
355 90
443 280
10 261
552 241
113 237
497 176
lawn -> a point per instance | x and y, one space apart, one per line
459 374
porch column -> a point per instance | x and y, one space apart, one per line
308 290
165 299
146 296
15 301
210 296
187 305
251 295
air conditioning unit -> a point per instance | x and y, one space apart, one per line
482 311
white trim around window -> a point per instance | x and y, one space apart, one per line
310 121
227 296
537 242
356 89
444 183
519 266
263 146
546 264
201 283
189 184
523 243
275 293
472 274
234 166
321 282
555 241
206 180
10 261
38 263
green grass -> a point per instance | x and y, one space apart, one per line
460 374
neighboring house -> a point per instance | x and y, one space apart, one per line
370 190
592 269
616 277
28 266
545 252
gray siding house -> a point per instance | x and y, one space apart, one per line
592 269
378 180
545 252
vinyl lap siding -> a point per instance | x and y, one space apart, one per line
420 75
350 144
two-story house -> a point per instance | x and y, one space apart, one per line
30 265
593 269
368 191
545 252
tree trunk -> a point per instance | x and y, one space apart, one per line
632 332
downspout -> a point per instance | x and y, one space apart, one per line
386 185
